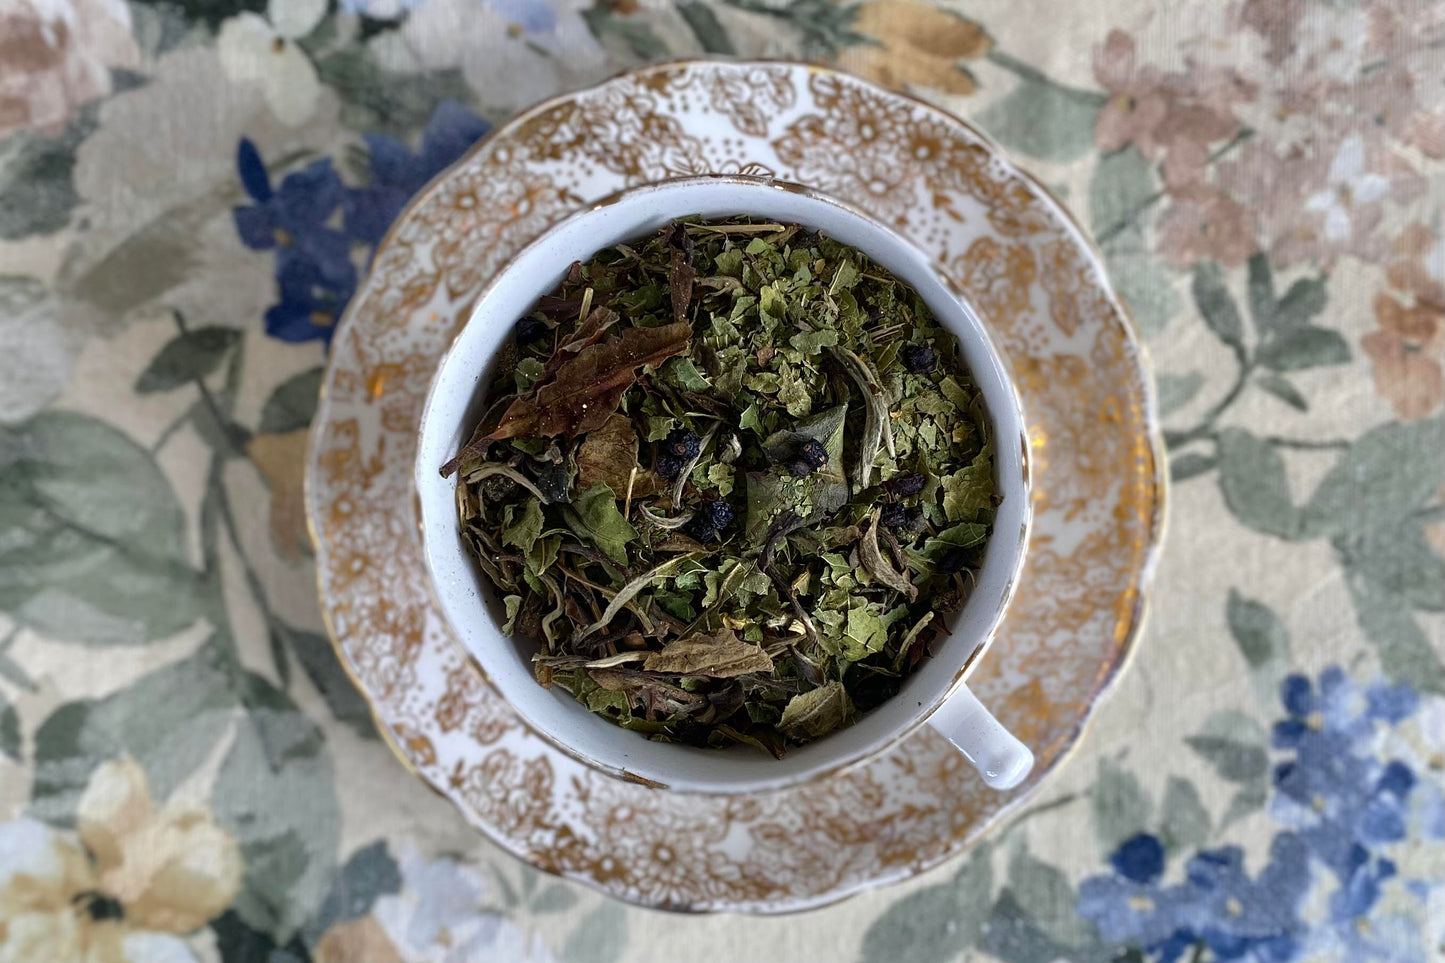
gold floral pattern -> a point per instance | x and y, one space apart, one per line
1095 457
998 278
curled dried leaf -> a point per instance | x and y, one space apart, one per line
877 429
878 566
682 274
629 591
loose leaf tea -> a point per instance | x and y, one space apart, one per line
731 479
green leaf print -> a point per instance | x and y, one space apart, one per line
1262 639
92 537
1176 391
1388 473
932 924
321 663
1234 745
275 794
169 721
1216 304
9 730
293 404
186 357
1186 821
601 937
1295 349
1047 894
1044 119
1121 807
1405 653
1281 388
1121 190
1252 478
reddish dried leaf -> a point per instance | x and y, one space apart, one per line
589 387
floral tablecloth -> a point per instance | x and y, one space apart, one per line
188 191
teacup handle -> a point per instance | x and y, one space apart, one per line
996 753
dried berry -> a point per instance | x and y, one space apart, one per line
527 330
905 485
894 515
701 528
719 513
955 561
553 482
813 454
918 358
498 488
667 466
682 443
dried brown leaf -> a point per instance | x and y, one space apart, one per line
717 655
682 274
608 455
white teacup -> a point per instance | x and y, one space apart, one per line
935 693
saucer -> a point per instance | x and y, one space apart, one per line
1094 446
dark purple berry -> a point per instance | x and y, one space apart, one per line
905 485
894 515
553 482
667 465
683 443
701 527
918 358
955 561
719 514
807 458
528 330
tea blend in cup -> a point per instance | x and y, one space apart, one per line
732 478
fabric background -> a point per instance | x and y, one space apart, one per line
188 191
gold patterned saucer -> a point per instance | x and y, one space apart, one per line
1094 445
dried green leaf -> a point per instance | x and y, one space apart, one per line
602 524
817 712
513 605
523 533
877 566
971 489
682 373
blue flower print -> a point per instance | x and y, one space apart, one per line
1350 791
309 307
316 224
293 219
1242 918
315 276
397 173
1217 906
1334 791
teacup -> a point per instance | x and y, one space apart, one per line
935 693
